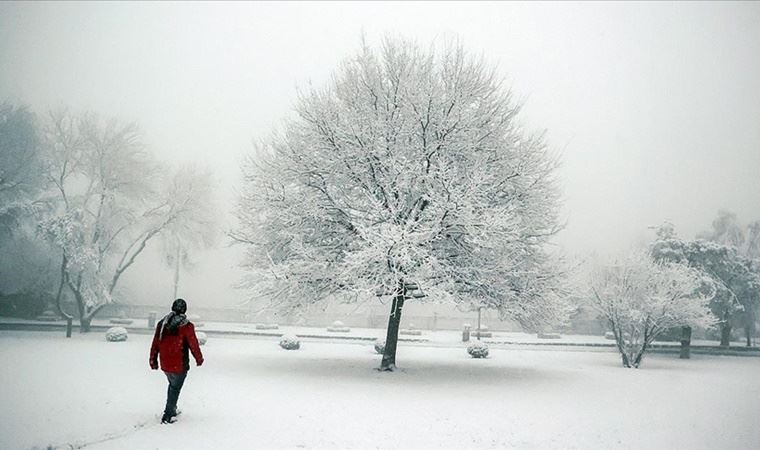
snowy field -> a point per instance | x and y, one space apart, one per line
86 392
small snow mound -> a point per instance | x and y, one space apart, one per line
338 327
116 334
478 349
290 342
202 338
549 335
380 346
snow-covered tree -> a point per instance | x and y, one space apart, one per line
640 298
724 257
197 228
20 165
106 206
406 176
27 271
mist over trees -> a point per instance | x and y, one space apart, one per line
408 175
89 195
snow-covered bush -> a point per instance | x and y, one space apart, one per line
641 298
478 349
202 338
548 335
196 320
290 342
48 316
121 319
380 346
116 334
410 332
338 327
481 333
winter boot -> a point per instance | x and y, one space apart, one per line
167 418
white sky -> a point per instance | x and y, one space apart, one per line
655 106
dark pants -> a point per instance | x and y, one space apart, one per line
176 380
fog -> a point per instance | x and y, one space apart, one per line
653 107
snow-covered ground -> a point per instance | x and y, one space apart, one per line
85 391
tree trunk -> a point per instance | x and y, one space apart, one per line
620 342
84 324
749 324
725 334
82 313
59 294
176 273
685 343
391 338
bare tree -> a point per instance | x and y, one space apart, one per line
407 176
107 205
196 228
641 298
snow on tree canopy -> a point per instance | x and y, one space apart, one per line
408 168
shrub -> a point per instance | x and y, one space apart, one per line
544 335
116 334
202 338
481 333
196 320
410 332
48 316
290 342
380 346
121 321
478 349
338 327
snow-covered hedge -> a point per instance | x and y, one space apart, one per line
338 327
202 338
196 320
380 346
48 316
478 349
481 333
290 342
545 335
116 334
121 321
410 332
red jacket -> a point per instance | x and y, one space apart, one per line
172 349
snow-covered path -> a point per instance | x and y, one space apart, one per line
252 394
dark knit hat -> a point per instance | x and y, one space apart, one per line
179 306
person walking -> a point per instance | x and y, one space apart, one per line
174 337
